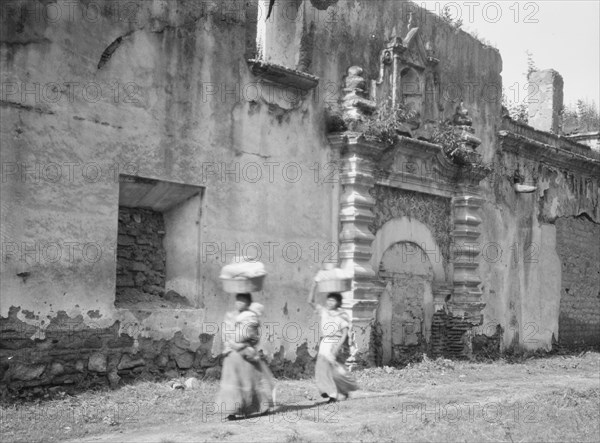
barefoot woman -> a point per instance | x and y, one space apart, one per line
332 378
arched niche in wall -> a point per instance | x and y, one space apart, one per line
405 229
412 89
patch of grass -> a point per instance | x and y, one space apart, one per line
295 437
103 410
550 399
219 435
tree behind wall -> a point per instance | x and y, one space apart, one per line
583 117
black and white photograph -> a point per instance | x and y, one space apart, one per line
299 221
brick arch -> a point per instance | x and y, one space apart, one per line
405 229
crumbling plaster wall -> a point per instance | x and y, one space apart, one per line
163 113
175 69
523 262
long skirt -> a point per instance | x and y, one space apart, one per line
246 388
331 376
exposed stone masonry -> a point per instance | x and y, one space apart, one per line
578 246
141 257
83 354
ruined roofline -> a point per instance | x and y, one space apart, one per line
547 138
578 135
552 155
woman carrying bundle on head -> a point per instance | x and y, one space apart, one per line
246 381
247 385
332 378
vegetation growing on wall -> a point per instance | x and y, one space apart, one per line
451 140
515 109
447 16
388 121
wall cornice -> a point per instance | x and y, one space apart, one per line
547 148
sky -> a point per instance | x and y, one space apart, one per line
562 35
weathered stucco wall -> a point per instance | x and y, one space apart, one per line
160 107
523 259
166 94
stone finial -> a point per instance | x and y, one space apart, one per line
356 97
355 80
461 116
463 128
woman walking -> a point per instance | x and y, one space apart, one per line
246 382
333 380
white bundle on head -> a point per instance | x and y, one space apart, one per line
243 268
333 274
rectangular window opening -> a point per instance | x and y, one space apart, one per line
157 246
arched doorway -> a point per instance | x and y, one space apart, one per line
409 262
405 309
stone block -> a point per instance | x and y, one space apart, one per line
185 360
113 379
139 267
97 362
140 279
93 342
123 341
128 362
171 373
143 241
26 372
179 341
125 280
123 254
192 383
125 240
15 343
161 361
56 369
113 361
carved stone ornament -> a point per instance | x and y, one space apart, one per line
461 116
356 102
408 76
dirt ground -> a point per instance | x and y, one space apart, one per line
547 399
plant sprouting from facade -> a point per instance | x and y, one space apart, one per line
446 15
389 120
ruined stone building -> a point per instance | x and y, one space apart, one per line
146 144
